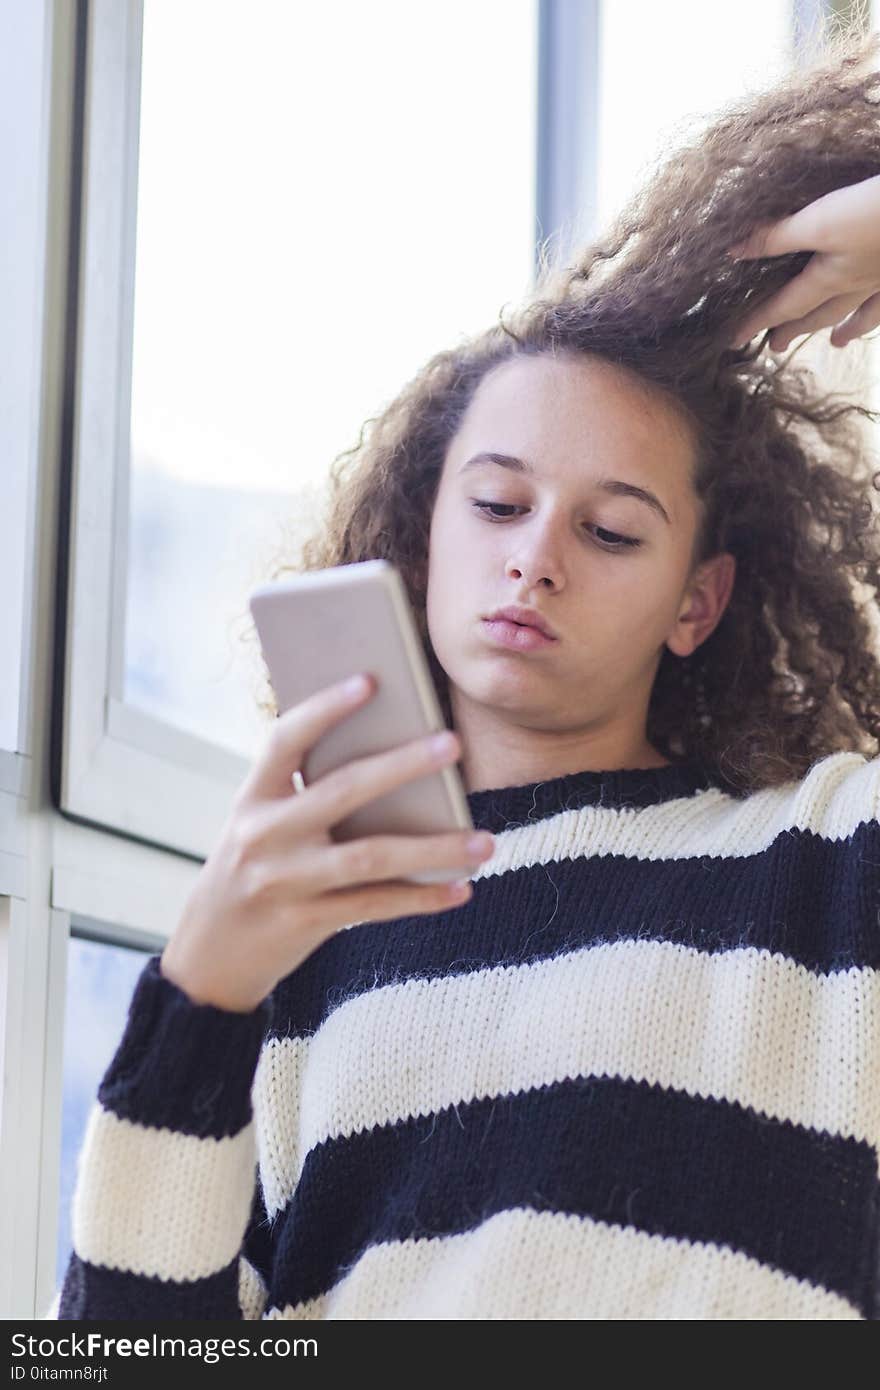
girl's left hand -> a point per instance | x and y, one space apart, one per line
839 285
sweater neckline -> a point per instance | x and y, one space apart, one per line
499 808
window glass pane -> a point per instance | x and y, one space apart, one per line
328 195
662 63
100 982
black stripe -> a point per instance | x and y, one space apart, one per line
257 1248
93 1291
183 1066
812 900
621 1152
502 807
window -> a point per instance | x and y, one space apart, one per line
326 196
297 217
101 977
662 65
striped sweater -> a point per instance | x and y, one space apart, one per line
637 1075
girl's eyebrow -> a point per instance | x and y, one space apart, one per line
613 485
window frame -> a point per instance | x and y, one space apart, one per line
566 199
183 782
106 747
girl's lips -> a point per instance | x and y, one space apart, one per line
515 636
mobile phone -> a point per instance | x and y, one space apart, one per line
320 627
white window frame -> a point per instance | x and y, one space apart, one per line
120 768
54 871
33 961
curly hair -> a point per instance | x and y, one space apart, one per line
791 672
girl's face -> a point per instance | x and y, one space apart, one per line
608 569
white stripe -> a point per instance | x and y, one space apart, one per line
837 795
742 1025
159 1203
528 1265
252 1291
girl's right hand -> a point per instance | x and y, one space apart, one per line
276 885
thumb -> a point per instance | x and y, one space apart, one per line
771 239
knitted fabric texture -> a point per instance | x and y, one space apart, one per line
637 1076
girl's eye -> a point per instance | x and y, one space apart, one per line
616 542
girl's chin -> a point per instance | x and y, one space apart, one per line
503 691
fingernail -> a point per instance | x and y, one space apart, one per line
442 744
479 844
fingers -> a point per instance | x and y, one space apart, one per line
335 795
288 872
865 318
800 296
334 911
294 733
840 230
374 858
811 228
831 312
771 239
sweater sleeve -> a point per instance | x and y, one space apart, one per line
167 1216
